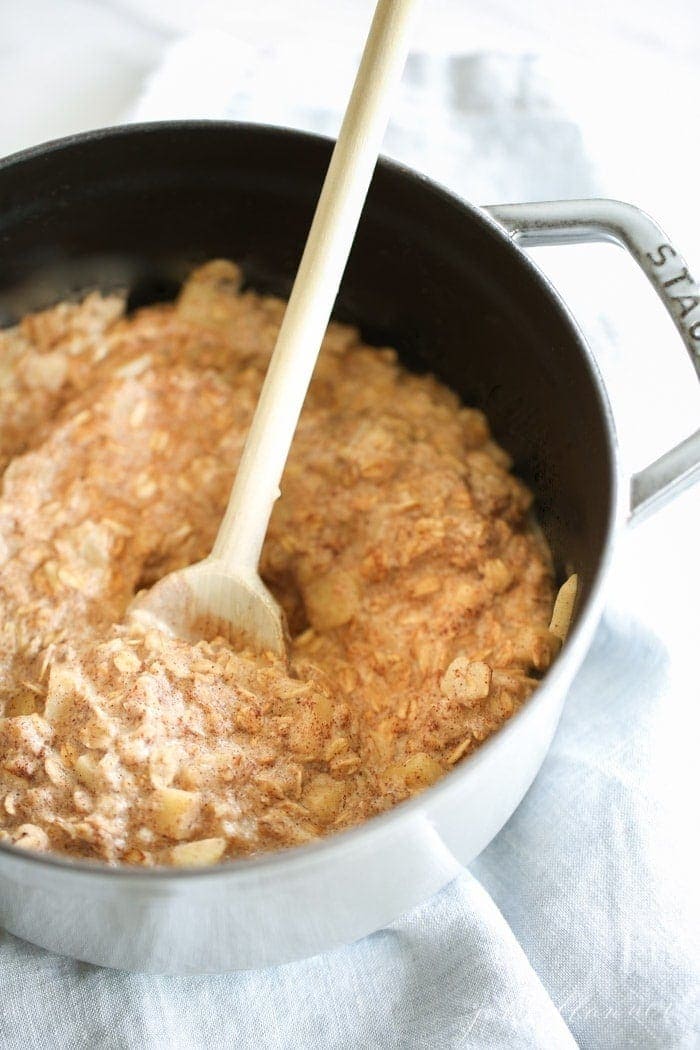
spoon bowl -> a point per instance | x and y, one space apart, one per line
211 600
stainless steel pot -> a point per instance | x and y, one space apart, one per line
449 285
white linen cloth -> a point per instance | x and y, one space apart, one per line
579 924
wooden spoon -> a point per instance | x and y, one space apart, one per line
224 595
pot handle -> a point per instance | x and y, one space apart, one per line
583 221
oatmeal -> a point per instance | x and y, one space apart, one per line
417 589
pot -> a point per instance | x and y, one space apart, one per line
449 286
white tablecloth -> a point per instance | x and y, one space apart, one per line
579 924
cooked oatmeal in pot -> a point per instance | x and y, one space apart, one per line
417 589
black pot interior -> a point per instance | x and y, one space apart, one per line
139 206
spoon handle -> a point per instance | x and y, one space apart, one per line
256 487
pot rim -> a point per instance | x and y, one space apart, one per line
562 671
